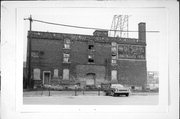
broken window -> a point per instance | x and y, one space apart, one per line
113 57
90 59
67 43
91 47
66 58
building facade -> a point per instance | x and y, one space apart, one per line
87 60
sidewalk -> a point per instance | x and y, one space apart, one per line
78 93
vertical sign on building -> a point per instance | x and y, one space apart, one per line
114 61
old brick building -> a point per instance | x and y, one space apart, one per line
88 60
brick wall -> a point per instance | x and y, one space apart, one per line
84 70
51 58
50 45
132 72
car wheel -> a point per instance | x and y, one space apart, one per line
115 94
106 94
112 93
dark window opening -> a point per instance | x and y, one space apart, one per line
91 60
91 47
113 54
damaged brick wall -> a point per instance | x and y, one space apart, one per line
83 71
50 47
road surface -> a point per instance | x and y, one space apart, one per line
89 98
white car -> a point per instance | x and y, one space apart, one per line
117 89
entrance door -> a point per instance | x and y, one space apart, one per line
90 79
47 77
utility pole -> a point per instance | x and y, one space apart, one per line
29 81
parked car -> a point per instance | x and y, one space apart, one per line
117 90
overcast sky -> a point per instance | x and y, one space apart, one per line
102 18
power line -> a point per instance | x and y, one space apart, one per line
81 27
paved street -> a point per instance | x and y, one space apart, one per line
89 98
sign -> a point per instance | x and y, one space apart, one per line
131 51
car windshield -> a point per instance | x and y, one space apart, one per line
116 86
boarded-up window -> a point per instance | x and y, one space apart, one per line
36 73
90 79
55 73
65 74
114 75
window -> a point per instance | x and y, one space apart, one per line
113 43
35 54
67 43
113 61
56 73
66 55
65 74
90 59
113 57
114 75
114 49
36 74
66 58
91 47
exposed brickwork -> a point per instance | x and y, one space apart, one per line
132 72
50 47
83 70
77 37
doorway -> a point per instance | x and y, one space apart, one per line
46 77
91 79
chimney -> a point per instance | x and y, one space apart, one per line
142 31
